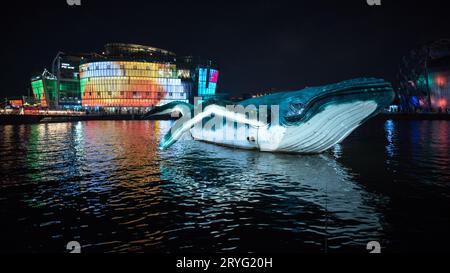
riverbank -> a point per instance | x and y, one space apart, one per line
27 119
415 116
30 119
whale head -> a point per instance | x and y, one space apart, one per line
314 119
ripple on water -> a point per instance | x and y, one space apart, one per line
108 185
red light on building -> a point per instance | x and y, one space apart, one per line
16 103
214 76
440 81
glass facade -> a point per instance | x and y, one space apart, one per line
131 84
69 92
125 76
207 82
38 92
68 74
44 91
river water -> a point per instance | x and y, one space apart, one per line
106 185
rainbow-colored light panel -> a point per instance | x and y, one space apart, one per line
207 86
130 84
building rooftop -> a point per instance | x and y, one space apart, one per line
122 49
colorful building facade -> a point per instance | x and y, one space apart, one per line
44 89
132 84
123 78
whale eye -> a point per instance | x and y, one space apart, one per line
295 110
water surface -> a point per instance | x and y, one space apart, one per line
106 185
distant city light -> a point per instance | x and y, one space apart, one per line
440 81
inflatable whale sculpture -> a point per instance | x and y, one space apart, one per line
306 121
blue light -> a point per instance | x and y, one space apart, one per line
207 86
415 101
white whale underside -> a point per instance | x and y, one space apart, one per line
321 132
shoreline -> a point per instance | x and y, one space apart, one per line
34 119
414 116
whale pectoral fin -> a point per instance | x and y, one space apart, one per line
180 127
157 111
167 141
169 108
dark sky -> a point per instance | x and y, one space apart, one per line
258 44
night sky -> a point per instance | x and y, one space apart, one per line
258 44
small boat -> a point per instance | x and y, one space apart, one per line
306 121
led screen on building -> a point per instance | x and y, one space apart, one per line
130 84
38 92
207 82
44 91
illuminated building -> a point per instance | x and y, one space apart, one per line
16 102
68 79
425 79
124 77
439 81
44 88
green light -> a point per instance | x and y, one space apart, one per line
38 89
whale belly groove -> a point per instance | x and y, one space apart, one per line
325 129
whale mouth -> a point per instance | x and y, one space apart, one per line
377 91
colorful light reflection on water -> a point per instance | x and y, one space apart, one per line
106 184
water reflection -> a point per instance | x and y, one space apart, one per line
304 192
407 164
391 137
106 184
